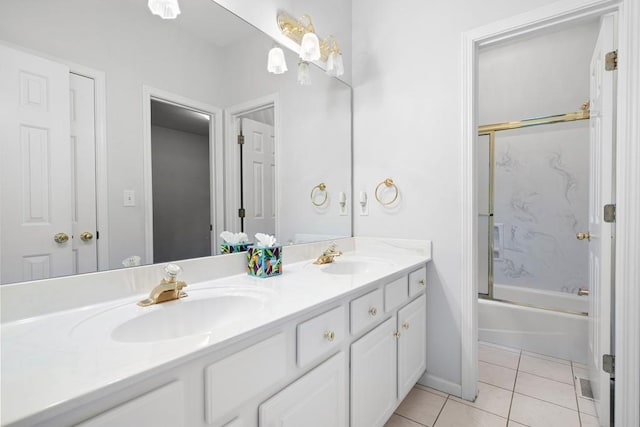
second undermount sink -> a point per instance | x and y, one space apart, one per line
203 311
354 265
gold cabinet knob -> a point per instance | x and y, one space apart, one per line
373 311
397 334
422 282
330 336
582 236
86 236
405 325
61 238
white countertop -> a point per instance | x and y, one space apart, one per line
57 357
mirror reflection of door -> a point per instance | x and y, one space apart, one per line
180 139
258 173
47 134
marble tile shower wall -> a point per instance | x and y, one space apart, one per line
540 203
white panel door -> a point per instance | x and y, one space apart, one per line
258 178
373 376
34 167
601 193
318 399
83 173
412 344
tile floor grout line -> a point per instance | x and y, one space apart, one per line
547 378
410 419
469 404
546 401
495 364
548 358
514 389
493 385
441 409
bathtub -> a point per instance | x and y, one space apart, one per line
553 333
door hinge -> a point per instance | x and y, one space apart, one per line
241 213
609 363
240 139
609 213
210 227
611 60
97 235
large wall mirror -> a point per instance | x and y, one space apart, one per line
120 131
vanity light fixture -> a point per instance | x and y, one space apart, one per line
165 9
335 66
304 73
276 62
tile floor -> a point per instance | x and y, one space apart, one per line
516 389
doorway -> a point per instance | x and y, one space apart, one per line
535 22
183 176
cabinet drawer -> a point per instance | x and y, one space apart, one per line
320 335
395 293
417 281
365 310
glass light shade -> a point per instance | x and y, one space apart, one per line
165 9
304 73
276 63
335 66
310 47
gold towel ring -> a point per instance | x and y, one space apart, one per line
387 183
320 187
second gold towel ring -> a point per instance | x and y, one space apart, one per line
387 183
320 187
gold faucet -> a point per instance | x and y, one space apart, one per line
328 255
169 288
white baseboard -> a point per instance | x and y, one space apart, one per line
441 384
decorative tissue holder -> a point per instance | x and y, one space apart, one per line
232 248
264 262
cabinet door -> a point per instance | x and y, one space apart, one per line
373 376
412 344
317 399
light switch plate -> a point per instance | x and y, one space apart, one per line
129 198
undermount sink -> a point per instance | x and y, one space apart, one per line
353 265
203 311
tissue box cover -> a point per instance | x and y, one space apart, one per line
231 248
264 262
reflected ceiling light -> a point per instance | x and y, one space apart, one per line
276 62
304 73
165 9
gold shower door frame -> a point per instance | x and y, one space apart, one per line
490 130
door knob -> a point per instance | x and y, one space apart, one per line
86 236
582 236
61 238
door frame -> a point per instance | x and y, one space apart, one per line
627 246
232 158
216 184
100 123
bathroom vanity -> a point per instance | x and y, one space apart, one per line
321 345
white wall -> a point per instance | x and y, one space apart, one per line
407 117
542 173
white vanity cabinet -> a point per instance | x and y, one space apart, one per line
318 399
388 361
